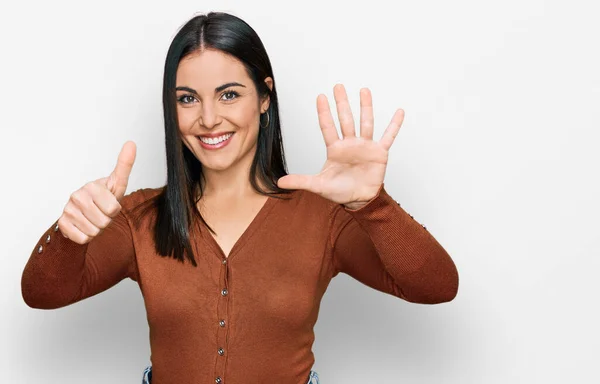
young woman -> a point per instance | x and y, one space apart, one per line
233 255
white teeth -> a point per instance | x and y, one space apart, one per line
215 140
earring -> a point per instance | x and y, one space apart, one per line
268 121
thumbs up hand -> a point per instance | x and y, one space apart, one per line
91 208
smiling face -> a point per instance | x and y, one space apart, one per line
218 110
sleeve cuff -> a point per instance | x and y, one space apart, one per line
382 198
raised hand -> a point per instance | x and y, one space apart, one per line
91 208
355 166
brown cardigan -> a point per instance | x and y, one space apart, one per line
247 318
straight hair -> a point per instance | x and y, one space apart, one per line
175 205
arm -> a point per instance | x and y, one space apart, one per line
65 272
382 246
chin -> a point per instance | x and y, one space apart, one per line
216 167
213 165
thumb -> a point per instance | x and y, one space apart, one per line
118 179
297 182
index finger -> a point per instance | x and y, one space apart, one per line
326 122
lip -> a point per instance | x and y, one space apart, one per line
216 146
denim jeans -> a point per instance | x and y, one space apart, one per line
147 378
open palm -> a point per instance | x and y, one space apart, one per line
355 165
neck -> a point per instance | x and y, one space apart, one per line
232 183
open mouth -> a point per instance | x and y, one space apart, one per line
215 142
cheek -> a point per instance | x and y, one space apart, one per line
244 118
186 118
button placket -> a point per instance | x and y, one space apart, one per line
223 323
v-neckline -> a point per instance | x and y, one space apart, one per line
248 232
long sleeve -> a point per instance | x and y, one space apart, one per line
60 272
382 246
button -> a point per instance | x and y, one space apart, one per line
40 249
221 351
424 227
224 261
56 227
222 323
224 292
218 380
47 239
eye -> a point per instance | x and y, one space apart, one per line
186 99
232 95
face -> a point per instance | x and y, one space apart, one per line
218 110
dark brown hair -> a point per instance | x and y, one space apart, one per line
176 203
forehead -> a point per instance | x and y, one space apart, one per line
208 69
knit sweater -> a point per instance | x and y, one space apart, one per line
248 317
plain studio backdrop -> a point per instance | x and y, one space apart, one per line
498 157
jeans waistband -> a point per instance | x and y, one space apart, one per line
313 378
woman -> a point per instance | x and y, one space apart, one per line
233 255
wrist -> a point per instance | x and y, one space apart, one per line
355 205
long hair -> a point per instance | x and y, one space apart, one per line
176 203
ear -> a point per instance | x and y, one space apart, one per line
266 100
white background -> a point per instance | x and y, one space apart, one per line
498 157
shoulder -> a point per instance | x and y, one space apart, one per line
139 197
314 214
309 203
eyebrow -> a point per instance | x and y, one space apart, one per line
218 89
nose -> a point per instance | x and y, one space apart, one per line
209 116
